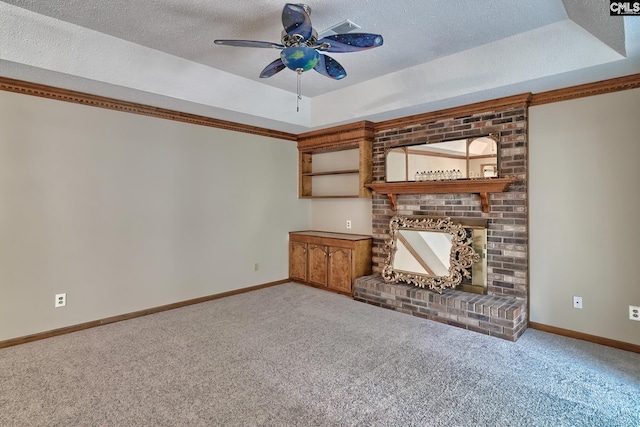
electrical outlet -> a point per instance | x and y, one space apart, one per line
61 300
634 313
577 302
256 266
349 223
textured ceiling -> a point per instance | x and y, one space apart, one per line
436 54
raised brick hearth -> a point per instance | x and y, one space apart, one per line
507 229
497 316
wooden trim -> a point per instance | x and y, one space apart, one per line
586 337
44 91
338 137
327 238
100 322
334 136
476 186
336 172
523 100
365 165
435 154
505 103
393 201
449 156
348 196
589 89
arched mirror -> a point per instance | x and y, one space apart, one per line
468 158
396 164
428 253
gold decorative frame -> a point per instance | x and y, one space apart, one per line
461 258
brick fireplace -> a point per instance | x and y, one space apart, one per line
502 312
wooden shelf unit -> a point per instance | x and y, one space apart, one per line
356 136
482 187
340 172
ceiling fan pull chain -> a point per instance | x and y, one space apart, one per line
299 72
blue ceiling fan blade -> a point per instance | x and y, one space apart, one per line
352 42
249 43
273 68
327 66
295 20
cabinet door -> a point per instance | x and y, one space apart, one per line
340 269
317 264
298 261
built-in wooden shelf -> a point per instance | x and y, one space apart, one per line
482 187
348 196
355 141
339 172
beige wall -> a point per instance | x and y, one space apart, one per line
126 212
584 213
332 215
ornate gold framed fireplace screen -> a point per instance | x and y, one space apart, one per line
433 253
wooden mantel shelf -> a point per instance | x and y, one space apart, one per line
482 187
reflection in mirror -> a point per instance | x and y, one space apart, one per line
428 253
470 158
423 252
397 164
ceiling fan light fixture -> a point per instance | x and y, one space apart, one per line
299 58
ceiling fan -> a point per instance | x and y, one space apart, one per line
300 49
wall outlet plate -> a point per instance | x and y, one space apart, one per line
61 300
634 313
577 302
349 224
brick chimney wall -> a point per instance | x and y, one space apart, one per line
507 239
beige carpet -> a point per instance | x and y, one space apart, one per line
291 355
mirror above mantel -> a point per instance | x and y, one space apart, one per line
468 158
469 165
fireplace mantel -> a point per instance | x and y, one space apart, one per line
482 187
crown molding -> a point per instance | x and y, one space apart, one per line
44 91
333 135
338 136
515 101
589 89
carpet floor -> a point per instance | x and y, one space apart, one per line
291 355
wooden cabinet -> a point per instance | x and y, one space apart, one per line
339 269
298 261
317 262
335 163
329 260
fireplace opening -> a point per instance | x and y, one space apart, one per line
477 282
437 253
